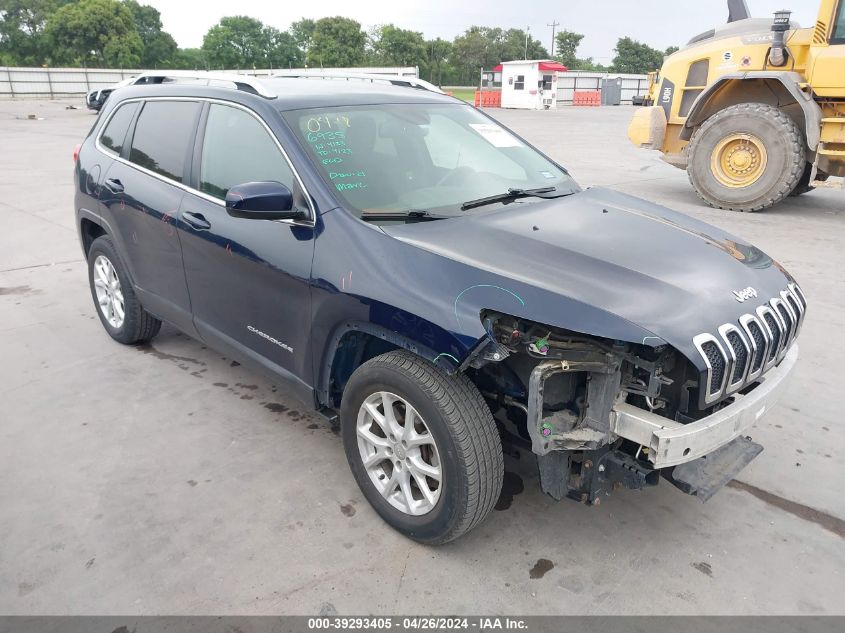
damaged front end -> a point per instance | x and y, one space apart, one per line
601 414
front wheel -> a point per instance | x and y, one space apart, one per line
746 157
422 446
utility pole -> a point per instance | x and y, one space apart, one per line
554 25
527 29
431 63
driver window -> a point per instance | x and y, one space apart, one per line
238 149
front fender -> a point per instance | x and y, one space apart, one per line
716 93
429 302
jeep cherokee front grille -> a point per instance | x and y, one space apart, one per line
773 331
715 357
740 348
739 354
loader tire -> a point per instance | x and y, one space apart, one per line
747 157
804 185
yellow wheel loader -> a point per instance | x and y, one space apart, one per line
753 110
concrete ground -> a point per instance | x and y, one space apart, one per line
171 480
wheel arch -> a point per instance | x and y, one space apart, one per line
91 226
779 89
89 230
355 342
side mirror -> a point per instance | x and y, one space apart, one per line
262 201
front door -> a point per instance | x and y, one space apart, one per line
248 279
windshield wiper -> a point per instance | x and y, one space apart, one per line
412 215
510 194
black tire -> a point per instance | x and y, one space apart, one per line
460 422
785 148
138 326
804 185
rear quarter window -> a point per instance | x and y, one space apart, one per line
162 134
114 134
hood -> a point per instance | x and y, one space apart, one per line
659 269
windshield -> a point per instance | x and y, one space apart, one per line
384 159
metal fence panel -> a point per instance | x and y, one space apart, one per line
68 82
569 82
56 82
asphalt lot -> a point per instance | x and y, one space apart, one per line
171 480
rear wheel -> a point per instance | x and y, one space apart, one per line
422 445
747 157
118 307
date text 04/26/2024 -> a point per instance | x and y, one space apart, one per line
416 623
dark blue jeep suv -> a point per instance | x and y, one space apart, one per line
409 265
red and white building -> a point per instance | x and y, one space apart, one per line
529 84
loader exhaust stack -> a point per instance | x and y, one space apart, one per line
780 25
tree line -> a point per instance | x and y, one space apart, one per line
127 34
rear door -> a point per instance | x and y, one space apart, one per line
248 279
143 191
110 141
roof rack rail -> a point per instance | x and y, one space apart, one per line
246 83
396 80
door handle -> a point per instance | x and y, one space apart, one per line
196 220
114 185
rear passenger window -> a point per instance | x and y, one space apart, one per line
115 132
238 149
161 136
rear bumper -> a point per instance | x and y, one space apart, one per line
671 443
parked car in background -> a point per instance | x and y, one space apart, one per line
415 270
95 99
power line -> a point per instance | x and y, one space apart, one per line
554 25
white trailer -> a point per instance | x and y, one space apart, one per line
530 84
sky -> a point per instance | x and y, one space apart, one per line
659 23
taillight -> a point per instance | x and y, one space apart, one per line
76 152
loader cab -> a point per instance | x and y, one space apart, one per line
827 51
839 26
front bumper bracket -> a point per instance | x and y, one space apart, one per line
671 443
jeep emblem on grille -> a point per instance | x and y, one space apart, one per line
745 294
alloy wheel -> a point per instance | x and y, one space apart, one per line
399 453
109 293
